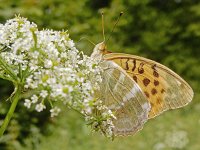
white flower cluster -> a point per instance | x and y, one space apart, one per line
52 70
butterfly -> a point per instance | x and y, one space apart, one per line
137 89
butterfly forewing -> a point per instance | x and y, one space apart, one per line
124 97
163 88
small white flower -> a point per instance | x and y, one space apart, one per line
48 64
34 99
71 43
35 54
55 111
27 103
40 107
110 113
43 93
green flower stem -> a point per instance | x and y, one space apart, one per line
9 115
7 68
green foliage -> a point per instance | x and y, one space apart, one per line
165 31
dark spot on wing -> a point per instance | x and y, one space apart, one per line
140 68
135 78
155 73
127 67
156 82
153 67
146 93
153 91
146 81
162 91
134 64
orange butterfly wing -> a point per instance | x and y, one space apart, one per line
163 88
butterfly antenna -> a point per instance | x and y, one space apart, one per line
85 38
102 20
121 13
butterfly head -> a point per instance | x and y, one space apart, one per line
101 47
99 50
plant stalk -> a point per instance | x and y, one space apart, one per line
9 115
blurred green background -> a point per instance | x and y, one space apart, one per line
167 31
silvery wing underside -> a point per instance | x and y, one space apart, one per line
124 97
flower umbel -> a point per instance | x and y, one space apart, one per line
51 70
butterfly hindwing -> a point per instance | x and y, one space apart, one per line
124 97
163 88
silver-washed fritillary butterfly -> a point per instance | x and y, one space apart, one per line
137 89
